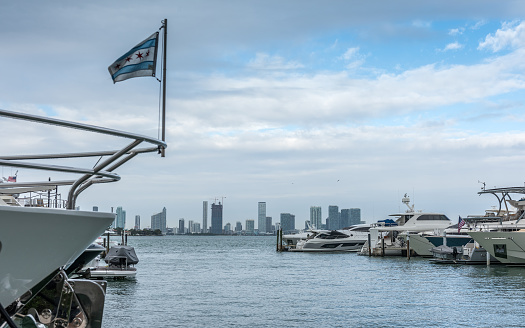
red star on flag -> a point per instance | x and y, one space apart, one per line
128 59
139 55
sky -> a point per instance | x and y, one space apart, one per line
294 103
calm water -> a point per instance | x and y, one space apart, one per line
207 281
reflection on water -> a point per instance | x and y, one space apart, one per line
206 281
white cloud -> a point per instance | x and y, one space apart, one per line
350 53
456 31
511 35
266 62
453 46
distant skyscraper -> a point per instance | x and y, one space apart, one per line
205 216
238 227
250 226
334 221
269 224
228 228
345 218
181 227
355 216
158 221
261 217
190 226
216 218
316 219
287 222
137 222
121 218
196 227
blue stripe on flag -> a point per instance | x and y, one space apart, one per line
146 65
148 44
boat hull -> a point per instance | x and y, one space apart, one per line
37 241
506 246
330 246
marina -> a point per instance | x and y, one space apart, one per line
296 129
240 281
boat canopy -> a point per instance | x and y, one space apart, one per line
121 253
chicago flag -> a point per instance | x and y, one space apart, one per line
139 61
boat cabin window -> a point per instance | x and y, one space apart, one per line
365 229
332 235
427 217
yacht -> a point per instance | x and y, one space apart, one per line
119 263
505 240
346 240
42 234
389 237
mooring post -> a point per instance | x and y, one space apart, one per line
488 257
408 247
369 245
277 242
281 239
382 246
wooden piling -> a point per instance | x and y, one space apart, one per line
408 248
369 245
277 243
382 246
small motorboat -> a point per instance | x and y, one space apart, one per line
119 263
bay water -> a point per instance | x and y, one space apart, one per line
241 281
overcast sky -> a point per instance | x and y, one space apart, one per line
295 103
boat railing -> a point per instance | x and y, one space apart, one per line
101 172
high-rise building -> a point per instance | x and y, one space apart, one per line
334 221
205 216
228 228
238 227
250 226
181 227
316 219
345 218
216 218
287 222
355 216
190 226
261 217
137 222
158 221
196 227
269 224
121 218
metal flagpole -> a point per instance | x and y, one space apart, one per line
165 24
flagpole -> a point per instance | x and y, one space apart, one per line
165 25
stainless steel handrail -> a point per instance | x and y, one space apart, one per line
101 173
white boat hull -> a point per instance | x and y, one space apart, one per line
37 241
506 246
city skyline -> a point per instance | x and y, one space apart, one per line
175 222
297 104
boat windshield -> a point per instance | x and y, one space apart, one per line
332 235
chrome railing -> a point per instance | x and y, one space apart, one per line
101 173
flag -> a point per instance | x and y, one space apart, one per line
139 61
11 179
461 224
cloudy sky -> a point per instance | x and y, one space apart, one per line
295 103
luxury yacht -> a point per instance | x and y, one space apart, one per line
42 234
389 237
505 240
346 240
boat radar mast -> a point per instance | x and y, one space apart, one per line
406 201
